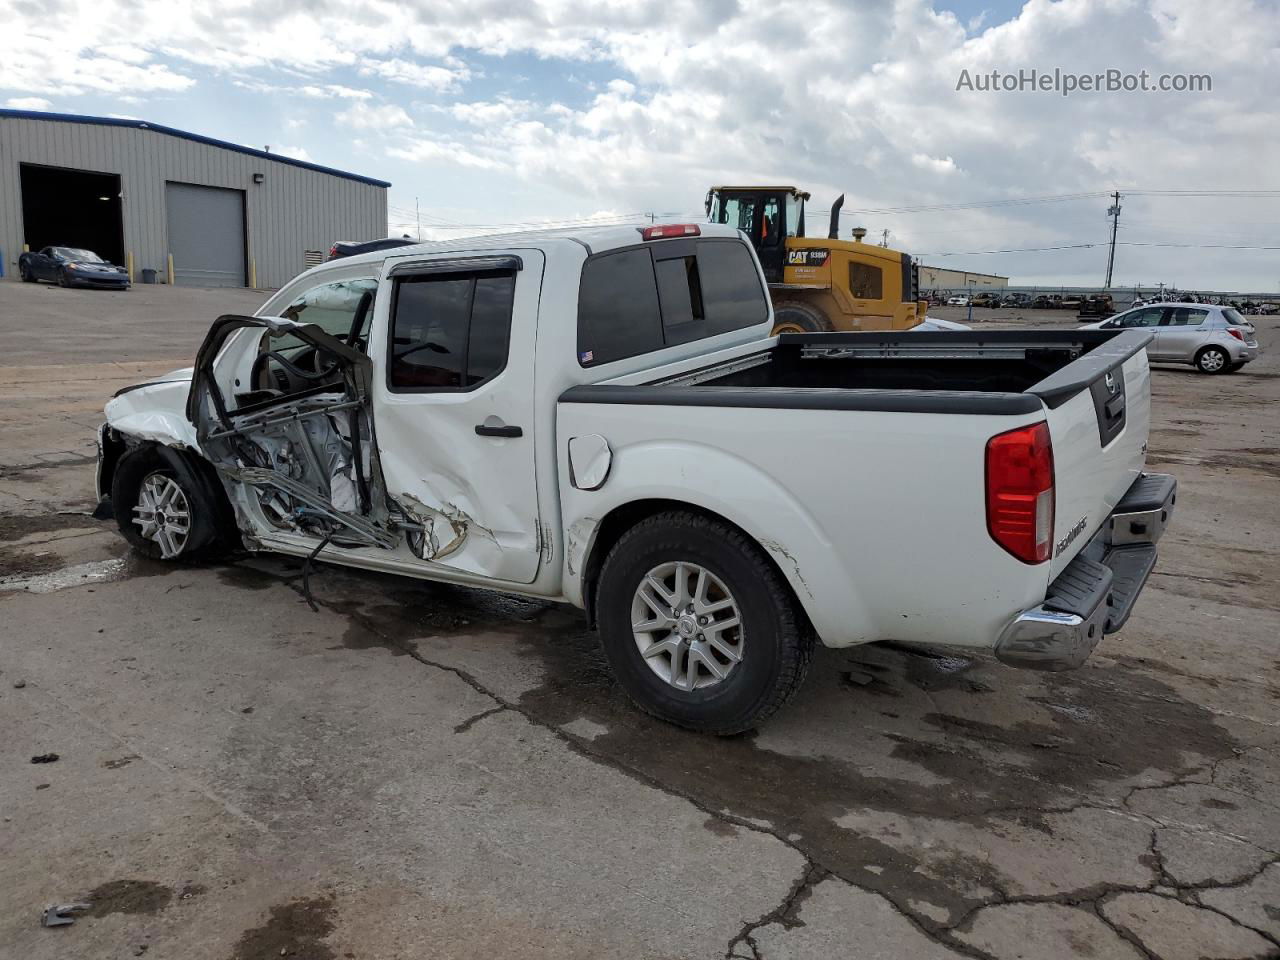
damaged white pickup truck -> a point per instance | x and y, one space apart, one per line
601 417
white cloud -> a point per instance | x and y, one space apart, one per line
28 103
362 116
943 165
334 90
433 150
492 113
856 96
431 76
297 153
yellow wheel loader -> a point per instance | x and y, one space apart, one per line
820 284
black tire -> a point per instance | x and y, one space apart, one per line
204 511
1212 360
791 316
1234 367
62 279
25 273
777 642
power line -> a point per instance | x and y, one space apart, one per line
969 205
1198 246
978 253
1205 193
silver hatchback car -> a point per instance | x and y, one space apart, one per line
1212 339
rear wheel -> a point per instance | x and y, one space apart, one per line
161 505
791 316
25 272
698 625
1212 360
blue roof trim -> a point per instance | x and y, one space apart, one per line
183 134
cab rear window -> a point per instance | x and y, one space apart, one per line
642 299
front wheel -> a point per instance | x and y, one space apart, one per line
793 317
698 625
62 279
25 273
161 506
1212 360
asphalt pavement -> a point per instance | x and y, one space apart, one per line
418 770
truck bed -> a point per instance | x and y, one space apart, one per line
1049 365
864 452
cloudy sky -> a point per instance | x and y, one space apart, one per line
492 113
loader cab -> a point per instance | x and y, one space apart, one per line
766 215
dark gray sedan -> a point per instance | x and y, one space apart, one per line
72 267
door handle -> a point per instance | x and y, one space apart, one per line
502 431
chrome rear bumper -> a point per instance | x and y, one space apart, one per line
1095 594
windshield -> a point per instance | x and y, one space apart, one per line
75 253
736 210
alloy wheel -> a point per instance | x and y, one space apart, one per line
687 625
163 514
1211 361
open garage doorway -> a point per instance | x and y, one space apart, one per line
72 208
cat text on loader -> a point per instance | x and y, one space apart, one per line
819 284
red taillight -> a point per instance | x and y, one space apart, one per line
333 251
1020 492
666 230
1236 332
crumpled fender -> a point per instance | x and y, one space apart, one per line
763 508
155 411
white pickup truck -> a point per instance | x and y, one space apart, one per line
601 417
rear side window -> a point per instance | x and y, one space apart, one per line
642 299
731 287
450 331
618 308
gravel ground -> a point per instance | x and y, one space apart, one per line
426 771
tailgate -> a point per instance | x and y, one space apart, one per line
1099 414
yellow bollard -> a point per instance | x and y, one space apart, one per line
253 274
170 271
128 264
25 248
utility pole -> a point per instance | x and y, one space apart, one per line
652 217
884 241
1114 214
418 218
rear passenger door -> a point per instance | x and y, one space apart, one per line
1181 332
453 407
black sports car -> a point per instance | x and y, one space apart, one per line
72 267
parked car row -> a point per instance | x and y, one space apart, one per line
993 299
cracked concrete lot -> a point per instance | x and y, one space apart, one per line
425 771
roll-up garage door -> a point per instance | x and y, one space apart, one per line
206 235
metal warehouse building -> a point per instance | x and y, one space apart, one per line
198 211
942 278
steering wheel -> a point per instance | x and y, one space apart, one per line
298 378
